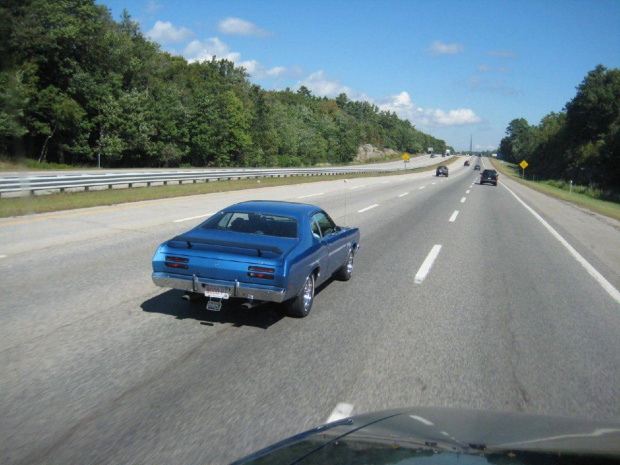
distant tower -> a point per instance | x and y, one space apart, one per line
470 141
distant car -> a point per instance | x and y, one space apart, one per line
466 163
432 155
258 251
489 176
442 171
477 168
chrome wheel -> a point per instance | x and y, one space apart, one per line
308 293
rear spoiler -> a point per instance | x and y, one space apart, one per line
260 249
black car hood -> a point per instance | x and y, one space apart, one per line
447 436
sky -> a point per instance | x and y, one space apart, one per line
455 69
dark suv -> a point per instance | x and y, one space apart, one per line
442 171
489 176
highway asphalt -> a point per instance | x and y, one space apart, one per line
101 366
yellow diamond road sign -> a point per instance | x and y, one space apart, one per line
405 156
523 164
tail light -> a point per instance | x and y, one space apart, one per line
176 262
261 272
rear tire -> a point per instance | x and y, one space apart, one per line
300 306
345 273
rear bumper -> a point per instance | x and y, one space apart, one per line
233 289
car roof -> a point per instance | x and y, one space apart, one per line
274 207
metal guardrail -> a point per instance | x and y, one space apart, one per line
51 183
16 185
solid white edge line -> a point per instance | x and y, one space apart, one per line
309 195
367 208
463 200
454 215
611 290
402 195
428 263
192 218
342 410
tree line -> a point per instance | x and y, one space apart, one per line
76 86
580 143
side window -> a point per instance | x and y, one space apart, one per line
316 232
324 222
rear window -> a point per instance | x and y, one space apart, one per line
253 223
489 172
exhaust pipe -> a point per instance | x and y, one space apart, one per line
250 304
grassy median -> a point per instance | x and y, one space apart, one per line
610 209
19 206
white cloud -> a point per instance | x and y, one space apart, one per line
242 27
503 53
153 6
321 86
277 72
439 48
402 105
484 68
165 33
457 117
478 84
200 51
253 67
296 71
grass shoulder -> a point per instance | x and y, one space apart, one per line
560 191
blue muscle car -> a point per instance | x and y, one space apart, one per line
258 251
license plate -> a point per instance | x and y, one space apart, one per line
216 292
214 306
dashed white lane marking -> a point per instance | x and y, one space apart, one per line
463 200
367 208
427 265
611 290
422 420
467 191
433 183
310 195
192 218
422 187
2 256
403 194
342 410
454 215
357 187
